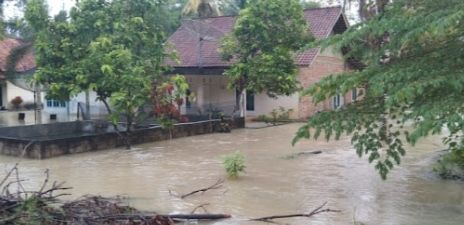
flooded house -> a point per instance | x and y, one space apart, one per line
197 41
32 96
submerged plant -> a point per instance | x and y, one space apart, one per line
234 164
277 116
451 165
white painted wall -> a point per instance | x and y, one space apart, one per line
96 107
12 91
264 104
211 91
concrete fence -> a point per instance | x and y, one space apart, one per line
52 140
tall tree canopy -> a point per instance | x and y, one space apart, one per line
263 58
201 8
310 4
2 28
115 48
413 73
208 8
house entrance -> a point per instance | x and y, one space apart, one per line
250 101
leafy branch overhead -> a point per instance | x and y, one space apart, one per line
413 73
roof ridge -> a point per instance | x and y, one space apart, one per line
325 7
211 17
224 16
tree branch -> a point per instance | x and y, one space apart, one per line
318 210
216 185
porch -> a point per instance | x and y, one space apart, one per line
210 95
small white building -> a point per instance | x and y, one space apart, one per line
18 86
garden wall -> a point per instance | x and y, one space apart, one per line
52 140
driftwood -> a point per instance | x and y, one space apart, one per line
318 210
21 206
216 185
298 154
199 216
309 153
207 216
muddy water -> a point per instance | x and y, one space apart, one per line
272 184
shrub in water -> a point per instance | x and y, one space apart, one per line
234 164
451 165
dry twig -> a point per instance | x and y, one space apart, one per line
202 206
318 210
216 185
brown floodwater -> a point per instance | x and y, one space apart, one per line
273 183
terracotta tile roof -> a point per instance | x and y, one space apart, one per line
185 40
25 64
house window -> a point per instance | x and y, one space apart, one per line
51 103
250 101
337 101
354 94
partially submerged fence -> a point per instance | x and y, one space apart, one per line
51 140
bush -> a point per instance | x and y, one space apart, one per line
234 164
29 105
279 115
262 118
451 165
16 101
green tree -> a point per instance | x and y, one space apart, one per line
113 48
263 58
231 7
201 8
2 25
412 73
310 4
208 8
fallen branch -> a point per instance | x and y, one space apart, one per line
216 185
309 153
8 174
298 154
15 203
202 206
318 210
199 216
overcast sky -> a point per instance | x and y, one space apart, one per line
54 7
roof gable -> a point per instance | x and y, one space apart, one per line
26 63
196 41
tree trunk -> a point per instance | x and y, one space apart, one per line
115 126
242 103
38 108
87 103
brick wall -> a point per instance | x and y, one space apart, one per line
322 66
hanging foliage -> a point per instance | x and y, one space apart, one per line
413 73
